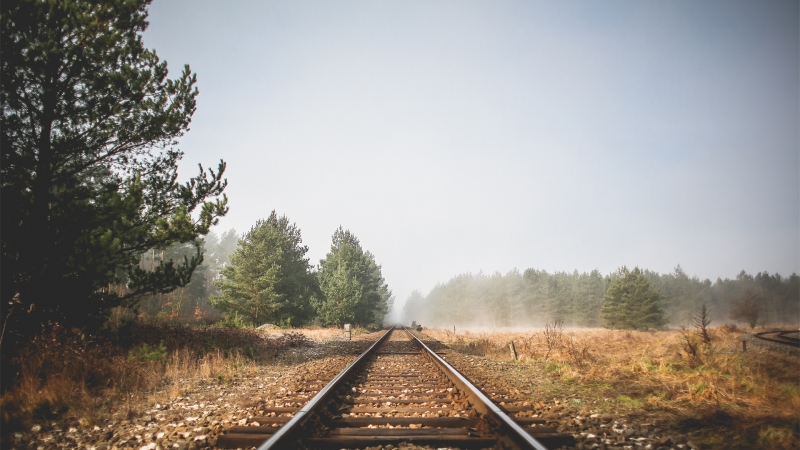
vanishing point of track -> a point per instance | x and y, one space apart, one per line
398 391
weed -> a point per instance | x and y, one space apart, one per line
234 321
249 352
778 438
629 402
789 390
577 352
144 352
730 328
553 367
553 335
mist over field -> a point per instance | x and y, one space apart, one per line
533 298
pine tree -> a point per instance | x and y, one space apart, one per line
351 285
632 303
89 169
268 278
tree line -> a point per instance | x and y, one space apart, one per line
534 297
264 277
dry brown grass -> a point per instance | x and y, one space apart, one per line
653 372
313 333
64 374
656 364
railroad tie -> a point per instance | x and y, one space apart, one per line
398 391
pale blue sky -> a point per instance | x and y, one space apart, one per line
458 136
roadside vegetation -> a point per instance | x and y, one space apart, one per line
731 398
71 376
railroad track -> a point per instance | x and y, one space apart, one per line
397 391
782 337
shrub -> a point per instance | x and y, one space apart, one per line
60 370
249 352
747 309
234 320
144 352
731 328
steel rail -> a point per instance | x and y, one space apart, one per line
792 339
281 437
481 402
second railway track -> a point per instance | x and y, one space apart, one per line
397 392
791 337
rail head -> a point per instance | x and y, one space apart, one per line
481 402
281 437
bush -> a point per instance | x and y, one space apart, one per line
234 320
478 347
144 352
248 352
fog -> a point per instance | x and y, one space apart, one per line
529 300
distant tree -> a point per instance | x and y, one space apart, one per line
217 255
192 302
412 308
351 285
181 304
632 303
747 309
89 171
592 288
268 278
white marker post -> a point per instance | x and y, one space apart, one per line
347 334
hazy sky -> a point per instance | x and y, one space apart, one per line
456 136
